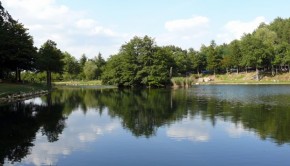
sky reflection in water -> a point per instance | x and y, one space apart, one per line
205 125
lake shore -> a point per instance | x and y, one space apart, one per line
247 78
232 79
10 92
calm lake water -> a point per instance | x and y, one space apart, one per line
203 125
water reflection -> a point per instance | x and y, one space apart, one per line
193 130
20 123
75 138
37 131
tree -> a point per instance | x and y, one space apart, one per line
90 70
139 63
268 38
71 66
83 60
235 54
6 24
49 59
181 59
197 60
212 57
16 46
113 70
100 63
24 54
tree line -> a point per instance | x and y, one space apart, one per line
18 53
141 62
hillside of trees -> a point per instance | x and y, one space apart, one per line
141 62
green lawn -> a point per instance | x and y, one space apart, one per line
93 82
11 88
248 78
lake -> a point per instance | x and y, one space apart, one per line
202 125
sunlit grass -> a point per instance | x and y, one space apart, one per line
93 82
182 81
248 78
11 88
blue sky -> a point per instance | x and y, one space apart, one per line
92 26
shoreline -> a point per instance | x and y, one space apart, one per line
22 96
243 83
10 92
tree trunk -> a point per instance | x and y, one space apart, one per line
48 79
257 74
49 103
1 74
16 74
246 69
19 75
273 72
227 70
237 70
170 73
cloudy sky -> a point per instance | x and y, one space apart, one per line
93 26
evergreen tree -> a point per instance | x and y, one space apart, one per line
50 59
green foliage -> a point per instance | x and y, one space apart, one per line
181 61
90 70
71 67
100 63
9 89
197 60
16 46
182 81
139 63
212 56
49 59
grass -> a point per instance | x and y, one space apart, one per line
93 82
12 88
248 78
182 81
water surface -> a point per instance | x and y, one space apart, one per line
203 125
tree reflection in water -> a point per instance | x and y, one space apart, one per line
141 111
20 122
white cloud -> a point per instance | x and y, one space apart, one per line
235 29
80 131
188 32
193 130
73 31
186 24
236 131
85 23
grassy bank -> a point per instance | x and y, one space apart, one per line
94 84
182 81
77 83
249 78
7 89
234 78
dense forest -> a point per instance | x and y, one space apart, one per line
141 62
